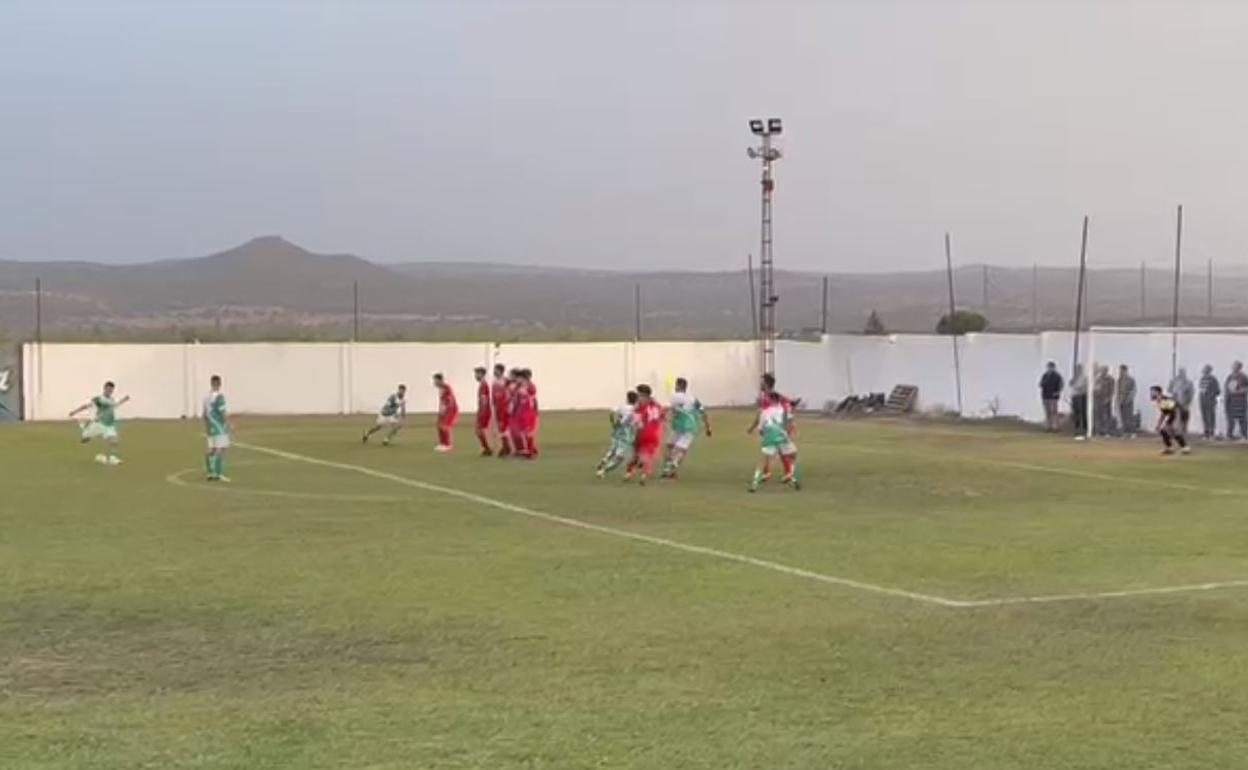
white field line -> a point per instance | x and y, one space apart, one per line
1059 471
933 599
1050 599
178 479
614 532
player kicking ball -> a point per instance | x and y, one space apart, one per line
217 429
623 436
103 425
391 417
773 433
1171 417
687 415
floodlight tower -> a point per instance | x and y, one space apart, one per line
767 297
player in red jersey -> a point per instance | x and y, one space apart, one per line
531 418
501 409
448 412
649 417
524 417
484 410
517 403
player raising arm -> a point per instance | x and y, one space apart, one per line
623 435
217 428
392 415
687 415
103 424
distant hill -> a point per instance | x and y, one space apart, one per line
269 287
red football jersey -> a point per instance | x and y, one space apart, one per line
649 422
483 398
498 391
447 405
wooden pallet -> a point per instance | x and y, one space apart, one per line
903 398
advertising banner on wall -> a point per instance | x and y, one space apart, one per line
10 383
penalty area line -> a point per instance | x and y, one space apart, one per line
612 531
676 545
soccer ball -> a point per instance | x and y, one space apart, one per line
101 459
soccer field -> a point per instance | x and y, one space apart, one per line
937 596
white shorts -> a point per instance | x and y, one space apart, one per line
682 441
389 419
788 448
94 429
220 441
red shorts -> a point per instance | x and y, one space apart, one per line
483 420
647 445
447 420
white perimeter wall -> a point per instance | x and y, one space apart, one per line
169 381
1000 368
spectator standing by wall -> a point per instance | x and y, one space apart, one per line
1079 402
1051 385
1236 400
1184 392
1103 402
1209 392
1124 393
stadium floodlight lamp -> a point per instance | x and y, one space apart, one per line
773 125
757 127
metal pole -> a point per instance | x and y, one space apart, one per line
1079 295
1143 292
767 289
749 263
1209 293
823 324
39 334
1035 298
355 303
985 305
953 331
38 311
636 312
1178 277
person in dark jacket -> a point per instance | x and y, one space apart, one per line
1051 385
1209 392
1124 395
1103 402
1236 401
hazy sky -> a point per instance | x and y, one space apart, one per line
613 134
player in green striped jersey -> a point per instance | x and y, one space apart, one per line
687 416
393 413
623 435
217 428
103 424
776 439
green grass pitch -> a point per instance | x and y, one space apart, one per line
310 616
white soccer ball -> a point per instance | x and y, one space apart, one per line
101 459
